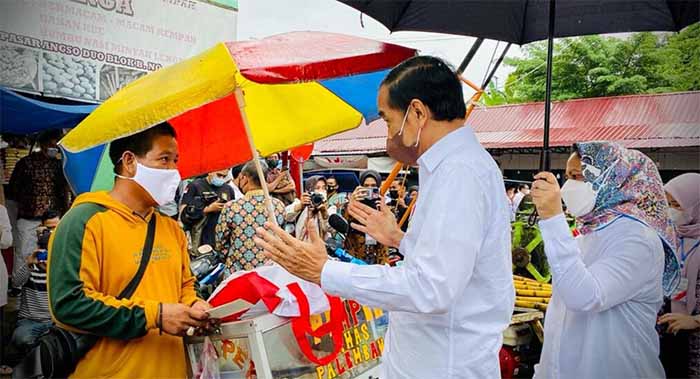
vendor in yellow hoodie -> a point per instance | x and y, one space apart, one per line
96 250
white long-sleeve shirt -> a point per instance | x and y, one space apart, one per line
452 298
5 242
606 295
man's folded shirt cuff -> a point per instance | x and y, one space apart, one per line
335 276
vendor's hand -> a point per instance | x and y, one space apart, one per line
679 321
546 195
177 318
211 323
303 259
380 224
201 305
215 207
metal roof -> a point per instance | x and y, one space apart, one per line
637 121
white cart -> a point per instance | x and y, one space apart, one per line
269 343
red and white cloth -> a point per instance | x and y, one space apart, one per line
273 289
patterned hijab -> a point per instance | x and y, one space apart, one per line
628 185
686 190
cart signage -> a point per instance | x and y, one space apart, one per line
362 344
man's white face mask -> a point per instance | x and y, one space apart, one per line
160 183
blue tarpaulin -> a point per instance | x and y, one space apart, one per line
22 115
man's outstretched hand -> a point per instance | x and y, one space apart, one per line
380 224
303 259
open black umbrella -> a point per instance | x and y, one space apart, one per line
524 21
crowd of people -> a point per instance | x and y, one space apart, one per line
626 291
223 209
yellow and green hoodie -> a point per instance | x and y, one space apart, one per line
94 253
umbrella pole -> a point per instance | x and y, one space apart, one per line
495 67
470 55
256 157
544 158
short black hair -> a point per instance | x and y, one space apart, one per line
251 171
48 215
412 188
47 136
139 143
236 170
430 80
523 185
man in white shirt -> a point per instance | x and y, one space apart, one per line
452 298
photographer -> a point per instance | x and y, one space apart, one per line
359 244
279 182
34 317
202 203
396 199
313 204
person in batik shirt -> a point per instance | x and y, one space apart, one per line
238 220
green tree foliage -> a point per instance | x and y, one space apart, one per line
595 66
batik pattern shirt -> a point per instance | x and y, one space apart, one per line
37 184
236 229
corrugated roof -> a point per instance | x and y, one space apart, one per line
638 121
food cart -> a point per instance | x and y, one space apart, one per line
267 346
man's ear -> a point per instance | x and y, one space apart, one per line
128 164
421 111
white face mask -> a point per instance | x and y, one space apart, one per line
160 183
677 216
579 197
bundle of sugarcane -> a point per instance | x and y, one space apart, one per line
531 293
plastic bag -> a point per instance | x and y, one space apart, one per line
209 362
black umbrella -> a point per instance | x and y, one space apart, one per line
524 21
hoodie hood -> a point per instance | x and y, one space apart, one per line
104 199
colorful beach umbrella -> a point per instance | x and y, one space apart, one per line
293 89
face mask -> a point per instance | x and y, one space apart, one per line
677 216
218 181
332 189
396 149
579 197
394 194
160 183
169 208
52 152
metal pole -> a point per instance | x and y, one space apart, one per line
495 67
544 158
470 55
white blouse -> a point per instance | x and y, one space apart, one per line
606 295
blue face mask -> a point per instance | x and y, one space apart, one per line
218 182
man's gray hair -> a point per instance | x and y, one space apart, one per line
251 172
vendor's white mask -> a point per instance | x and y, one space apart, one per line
579 197
160 183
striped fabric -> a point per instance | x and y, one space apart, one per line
35 298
